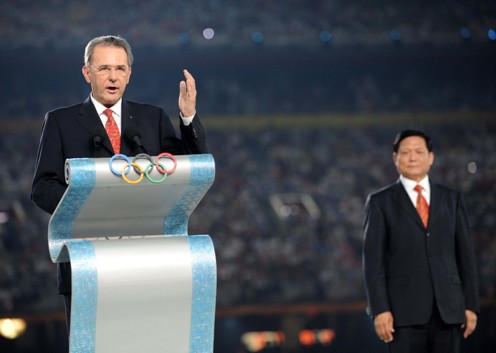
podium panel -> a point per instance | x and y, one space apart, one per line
140 283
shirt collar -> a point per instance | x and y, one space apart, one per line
409 184
116 108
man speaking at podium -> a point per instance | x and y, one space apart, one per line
104 125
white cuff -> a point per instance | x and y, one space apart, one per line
187 119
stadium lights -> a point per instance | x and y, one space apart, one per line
208 33
257 37
12 328
4 217
395 35
257 341
491 34
325 36
323 337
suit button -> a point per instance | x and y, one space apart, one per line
428 234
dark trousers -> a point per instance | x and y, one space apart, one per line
67 305
433 337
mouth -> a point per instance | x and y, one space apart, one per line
112 89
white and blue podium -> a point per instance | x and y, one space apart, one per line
140 283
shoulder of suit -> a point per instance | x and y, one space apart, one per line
142 110
444 188
142 106
63 113
74 107
385 190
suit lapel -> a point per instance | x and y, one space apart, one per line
89 119
404 203
436 200
126 120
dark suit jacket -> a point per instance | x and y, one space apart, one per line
409 268
69 133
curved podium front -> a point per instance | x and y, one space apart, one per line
140 283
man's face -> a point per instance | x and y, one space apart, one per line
108 74
413 160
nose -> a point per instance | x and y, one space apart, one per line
113 74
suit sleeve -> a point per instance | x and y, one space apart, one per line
49 185
193 137
466 257
374 252
192 141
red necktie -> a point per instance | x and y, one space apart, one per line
422 206
112 131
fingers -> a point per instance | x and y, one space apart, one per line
384 326
471 323
468 330
187 87
187 95
387 336
189 84
182 88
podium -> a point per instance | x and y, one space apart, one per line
140 283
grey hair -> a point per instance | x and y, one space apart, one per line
108 41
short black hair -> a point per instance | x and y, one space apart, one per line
408 133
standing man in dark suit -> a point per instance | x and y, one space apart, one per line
418 257
78 131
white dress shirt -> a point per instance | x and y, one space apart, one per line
409 185
117 113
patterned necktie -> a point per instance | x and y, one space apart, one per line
112 131
422 206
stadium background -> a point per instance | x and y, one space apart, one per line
301 101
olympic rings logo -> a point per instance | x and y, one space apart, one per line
153 164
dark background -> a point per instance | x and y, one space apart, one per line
310 111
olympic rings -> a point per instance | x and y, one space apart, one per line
150 167
120 156
141 156
138 169
168 155
129 181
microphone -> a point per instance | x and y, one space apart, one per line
97 139
134 136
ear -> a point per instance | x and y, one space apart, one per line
129 76
86 73
395 158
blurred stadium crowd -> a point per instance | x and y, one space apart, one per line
265 255
265 258
274 81
154 23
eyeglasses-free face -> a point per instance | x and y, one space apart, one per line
413 159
